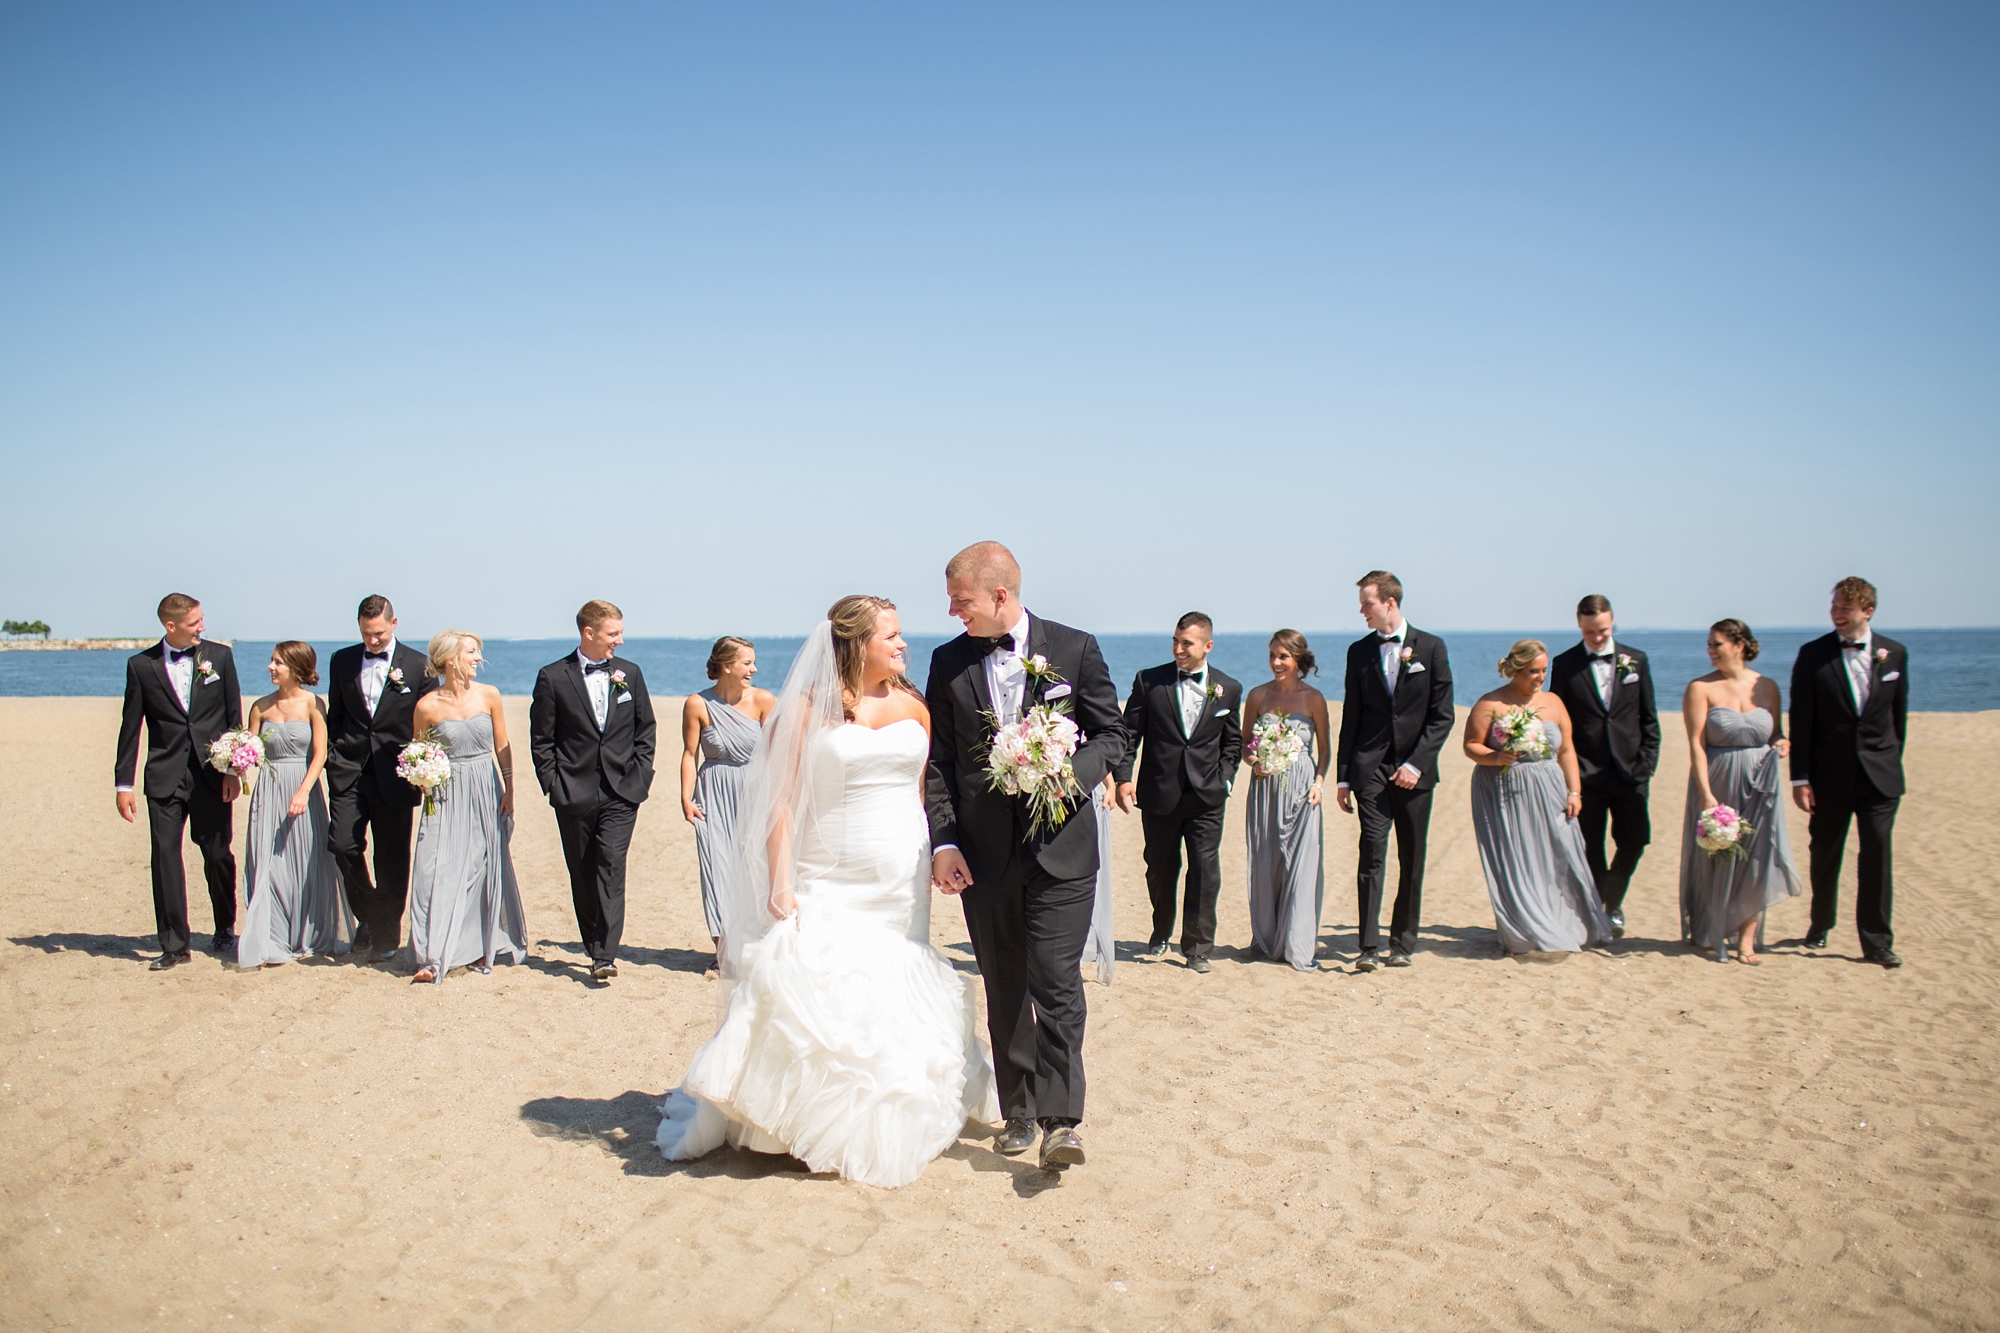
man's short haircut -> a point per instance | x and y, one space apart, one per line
595 612
1597 604
988 565
175 606
1856 591
375 607
1387 586
1193 618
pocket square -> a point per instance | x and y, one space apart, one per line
1632 679
1414 668
624 698
1224 712
1891 675
1057 691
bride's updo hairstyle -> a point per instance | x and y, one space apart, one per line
445 647
853 620
1521 656
1739 634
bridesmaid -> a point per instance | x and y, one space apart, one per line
1736 740
464 905
1101 946
1524 816
1287 867
719 729
294 906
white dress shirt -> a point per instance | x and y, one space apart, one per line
375 675
1601 672
597 684
180 674
1860 666
1193 692
1007 673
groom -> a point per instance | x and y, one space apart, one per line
372 692
1028 895
591 731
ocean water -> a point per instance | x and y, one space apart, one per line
1951 670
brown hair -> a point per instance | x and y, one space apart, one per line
176 605
989 565
445 647
1387 586
593 613
1521 656
1294 643
1193 618
1597 604
1856 591
300 659
727 649
853 620
375 607
1739 634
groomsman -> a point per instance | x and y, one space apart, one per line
1850 714
372 691
1608 691
185 693
591 731
1393 721
1184 715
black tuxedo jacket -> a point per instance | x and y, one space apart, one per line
1379 734
1616 745
570 752
1171 762
964 809
361 748
177 739
1832 746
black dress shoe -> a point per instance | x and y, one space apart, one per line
364 940
603 971
1397 958
1062 1148
1883 957
1016 1138
1369 960
1617 924
224 943
1815 939
170 960
1199 965
1157 949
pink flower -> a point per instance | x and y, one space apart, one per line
1881 654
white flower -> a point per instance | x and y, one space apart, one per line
1273 746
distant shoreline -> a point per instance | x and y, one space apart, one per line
75 645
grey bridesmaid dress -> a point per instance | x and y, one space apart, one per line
464 904
294 907
1287 865
727 743
1719 894
1544 899
1100 946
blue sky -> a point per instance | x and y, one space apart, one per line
724 311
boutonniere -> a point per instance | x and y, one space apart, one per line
618 682
1881 654
1625 663
396 678
1215 691
1407 654
207 669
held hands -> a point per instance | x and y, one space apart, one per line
1128 797
128 805
949 872
1802 797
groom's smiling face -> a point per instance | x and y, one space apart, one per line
986 612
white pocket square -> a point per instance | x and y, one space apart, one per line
1415 667
1632 679
1892 675
1057 691
1222 712
624 698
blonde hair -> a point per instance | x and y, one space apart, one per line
445 647
1521 656
853 619
595 612
989 565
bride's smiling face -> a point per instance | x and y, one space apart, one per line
887 654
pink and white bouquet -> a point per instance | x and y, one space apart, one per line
1720 831
426 765
1520 732
1273 746
1031 758
238 753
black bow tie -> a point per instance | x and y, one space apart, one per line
989 646
592 668
367 656
1387 638
1852 647
1188 675
180 654
1600 657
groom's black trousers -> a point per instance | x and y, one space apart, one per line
1631 829
1383 805
200 809
1875 816
1198 825
595 839
356 816
1034 1014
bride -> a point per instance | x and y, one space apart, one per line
846 1040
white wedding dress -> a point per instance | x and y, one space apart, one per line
849 1042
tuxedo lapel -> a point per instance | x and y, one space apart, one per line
167 683
574 674
1835 674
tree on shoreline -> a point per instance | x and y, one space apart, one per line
21 628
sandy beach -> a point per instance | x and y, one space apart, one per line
1632 1138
